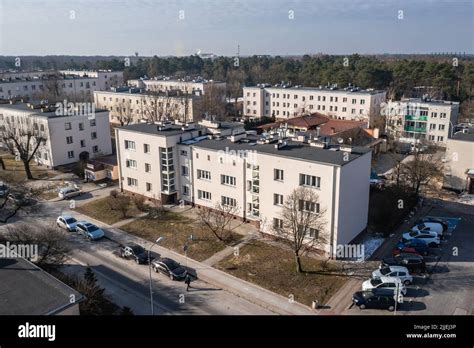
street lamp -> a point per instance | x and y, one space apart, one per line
149 268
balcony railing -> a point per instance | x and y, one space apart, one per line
415 129
416 118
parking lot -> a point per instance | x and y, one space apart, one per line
447 288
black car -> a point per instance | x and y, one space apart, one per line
134 252
414 263
382 299
169 267
432 219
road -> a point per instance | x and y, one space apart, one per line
127 284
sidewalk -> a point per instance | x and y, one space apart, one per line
253 293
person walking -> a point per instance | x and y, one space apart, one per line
187 281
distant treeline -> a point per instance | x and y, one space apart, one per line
447 77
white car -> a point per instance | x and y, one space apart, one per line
399 272
67 222
430 238
69 192
390 283
429 226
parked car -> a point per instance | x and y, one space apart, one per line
67 222
169 267
430 238
89 230
4 190
430 227
405 250
374 299
385 283
414 263
437 220
69 192
399 272
134 252
416 244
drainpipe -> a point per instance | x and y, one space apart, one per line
333 203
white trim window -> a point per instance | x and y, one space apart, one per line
310 180
228 180
278 174
277 223
129 163
228 201
132 182
308 206
203 175
277 199
129 145
204 195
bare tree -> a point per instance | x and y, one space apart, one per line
213 103
235 82
53 246
218 219
124 112
23 137
120 203
302 223
158 106
422 169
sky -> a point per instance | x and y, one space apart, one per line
274 27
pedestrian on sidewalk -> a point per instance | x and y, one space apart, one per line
187 281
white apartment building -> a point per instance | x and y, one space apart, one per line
68 138
196 86
423 119
284 102
459 161
129 105
77 85
256 175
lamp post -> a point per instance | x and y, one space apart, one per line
149 268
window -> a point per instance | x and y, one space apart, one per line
277 223
67 126
227 201
69 140
184 153
313 233
203 174
185 190
441 127
310 180
83 143
81 126
148 187
197 155
432 126
208 157
442 115
354 101
94 136
440 138
278 174
147 167
129 145
434 114
184 171
42 127
362 101
228 180
95 149
277 199
308 206
132 182
70 154
131 164
146 148
204 195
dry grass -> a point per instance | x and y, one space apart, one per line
274 269
99 209
176 230
16 167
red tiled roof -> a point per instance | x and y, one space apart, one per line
307 121
336 126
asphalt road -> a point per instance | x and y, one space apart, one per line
127 283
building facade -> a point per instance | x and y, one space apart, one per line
422 119
253 174
459 164
69 138
284 102
196 86
74 85
129 105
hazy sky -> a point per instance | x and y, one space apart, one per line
122 27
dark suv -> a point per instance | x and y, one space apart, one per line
415 263
134 252
375 298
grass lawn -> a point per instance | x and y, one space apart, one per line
273 268
99 209
176 230
17 168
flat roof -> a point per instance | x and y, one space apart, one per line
36 112
432 102
148 128
322 89
26 289
293 149
148 94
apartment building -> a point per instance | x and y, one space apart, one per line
422 119
459 165
77 135
163 84
130 105
283 102
76 85
255 174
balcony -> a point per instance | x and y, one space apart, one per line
416 118
415 129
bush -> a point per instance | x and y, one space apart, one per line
114 193
140 203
